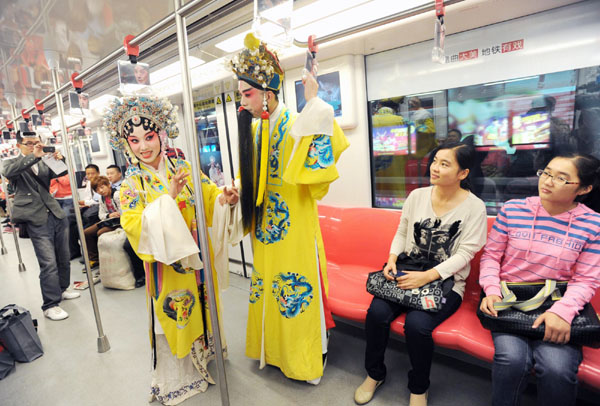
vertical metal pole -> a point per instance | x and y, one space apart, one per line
103 344
192 141
22 268
3 250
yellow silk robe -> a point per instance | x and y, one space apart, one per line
173 294
287 245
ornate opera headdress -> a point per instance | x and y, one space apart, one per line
260 67
257 65
138 110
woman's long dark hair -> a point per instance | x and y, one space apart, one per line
465 157
588 171
246 157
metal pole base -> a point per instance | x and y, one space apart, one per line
4 251
22 267
103 344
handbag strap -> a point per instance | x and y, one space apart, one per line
509 299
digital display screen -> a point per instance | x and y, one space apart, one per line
533 128
516 113
394 140
329 92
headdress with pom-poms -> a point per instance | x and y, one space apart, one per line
260 67
120 111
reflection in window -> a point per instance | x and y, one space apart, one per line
205 116
403 132
515 125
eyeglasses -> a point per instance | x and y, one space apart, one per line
559 180
30 144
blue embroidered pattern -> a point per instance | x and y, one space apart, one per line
277 222
292 292
277 149
320 153
256 286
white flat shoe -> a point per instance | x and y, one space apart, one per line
363 396
418 400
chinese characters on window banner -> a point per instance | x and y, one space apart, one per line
503 48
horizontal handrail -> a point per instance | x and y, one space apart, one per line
205 6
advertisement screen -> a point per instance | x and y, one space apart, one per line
516 113
394 140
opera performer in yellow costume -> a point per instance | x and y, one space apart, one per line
287 162
157 199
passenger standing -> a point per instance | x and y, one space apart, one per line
159 190
552 236
445 223
46 222
288 315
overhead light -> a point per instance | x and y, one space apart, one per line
173 69
324 17
234 43
354 16
101 101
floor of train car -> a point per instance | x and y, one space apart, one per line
72 372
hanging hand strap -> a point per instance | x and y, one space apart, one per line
509 299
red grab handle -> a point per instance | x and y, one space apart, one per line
77 84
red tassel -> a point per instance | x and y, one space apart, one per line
265 115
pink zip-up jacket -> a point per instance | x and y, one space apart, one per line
527 244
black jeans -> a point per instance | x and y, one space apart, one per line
418 328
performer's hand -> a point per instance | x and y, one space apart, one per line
232 194
416 279
487 305
57 155
178 182
311 87
389 271
557 331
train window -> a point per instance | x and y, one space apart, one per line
205 115
403 131
516 127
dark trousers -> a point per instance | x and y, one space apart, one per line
51 245
67 206
92 233
136 263
418 328
555 368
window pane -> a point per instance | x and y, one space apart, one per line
516 127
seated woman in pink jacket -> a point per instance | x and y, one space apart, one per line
553 236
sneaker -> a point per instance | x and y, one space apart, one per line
69 294
56 313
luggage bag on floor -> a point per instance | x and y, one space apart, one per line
18 335
115 267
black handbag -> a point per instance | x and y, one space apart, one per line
524 302
18 335
429 297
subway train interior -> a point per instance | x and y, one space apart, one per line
518 81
